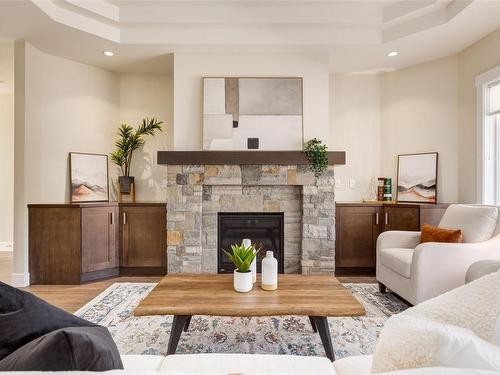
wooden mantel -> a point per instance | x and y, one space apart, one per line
242 157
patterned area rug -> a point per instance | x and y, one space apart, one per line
279 335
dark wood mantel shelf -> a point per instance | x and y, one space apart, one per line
242 157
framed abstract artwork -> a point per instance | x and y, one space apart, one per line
417 177
252 113
89 177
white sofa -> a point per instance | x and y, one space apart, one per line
417 272
255 364
475 306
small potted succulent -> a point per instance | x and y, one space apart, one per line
242 257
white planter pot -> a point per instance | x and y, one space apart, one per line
243 281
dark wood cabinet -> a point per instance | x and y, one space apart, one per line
401 217
76 243
72 243
359 224
357 229
99 239
143 239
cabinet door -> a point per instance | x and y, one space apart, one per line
401 218
143 236
357 230
99 238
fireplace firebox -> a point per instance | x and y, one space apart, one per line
264 229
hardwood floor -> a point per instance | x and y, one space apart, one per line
72 297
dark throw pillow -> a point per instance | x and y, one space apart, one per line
25 317
67 349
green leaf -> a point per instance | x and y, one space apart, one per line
241 256
316 153
130 140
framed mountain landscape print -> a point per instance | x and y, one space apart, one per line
417 177
89 177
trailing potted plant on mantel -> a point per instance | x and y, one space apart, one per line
242 257
129 140
315 151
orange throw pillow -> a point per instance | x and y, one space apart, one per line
435 234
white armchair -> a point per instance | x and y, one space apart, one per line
417 272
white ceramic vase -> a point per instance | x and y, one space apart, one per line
253 267
243 281
269 272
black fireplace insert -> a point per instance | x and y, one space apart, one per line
264 229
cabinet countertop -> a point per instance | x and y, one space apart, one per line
96 204
391 204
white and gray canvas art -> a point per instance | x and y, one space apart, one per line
252 114
417 175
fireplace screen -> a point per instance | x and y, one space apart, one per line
264 229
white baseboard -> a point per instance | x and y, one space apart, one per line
6 246
20 280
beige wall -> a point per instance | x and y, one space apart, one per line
6 142
478 58
355 110
376 117
191 67
69 107
420 114
147 96
7 167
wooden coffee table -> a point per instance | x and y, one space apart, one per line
185 295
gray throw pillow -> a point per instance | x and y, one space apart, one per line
25 317
66 349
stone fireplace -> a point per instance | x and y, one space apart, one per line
197 194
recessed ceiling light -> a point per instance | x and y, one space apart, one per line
392 54
108 53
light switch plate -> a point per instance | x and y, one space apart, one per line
151 183
352 183
164 183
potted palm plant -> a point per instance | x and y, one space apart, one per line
242 257
129 140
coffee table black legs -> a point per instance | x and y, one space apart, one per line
313 325
318 323
186 326
321 324
180 323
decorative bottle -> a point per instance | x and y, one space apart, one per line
269 272
253 267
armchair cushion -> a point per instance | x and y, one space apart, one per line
398 260
477 223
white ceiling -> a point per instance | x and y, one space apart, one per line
357 34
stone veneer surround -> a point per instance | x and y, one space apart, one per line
196 193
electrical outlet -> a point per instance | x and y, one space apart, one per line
352 183
151 183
